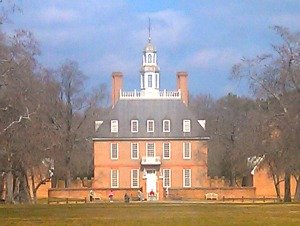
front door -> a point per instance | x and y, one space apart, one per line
151 181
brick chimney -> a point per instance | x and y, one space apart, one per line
117 83
182 80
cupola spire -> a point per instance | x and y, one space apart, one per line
149 30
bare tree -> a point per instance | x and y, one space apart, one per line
277 77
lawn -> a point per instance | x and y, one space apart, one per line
151 214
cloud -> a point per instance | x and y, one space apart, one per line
53 14
207 58
169 27
287 20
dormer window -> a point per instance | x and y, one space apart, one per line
114 127
186 127
134 126
150 126
166 126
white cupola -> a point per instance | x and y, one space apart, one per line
149 70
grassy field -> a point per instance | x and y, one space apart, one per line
151 214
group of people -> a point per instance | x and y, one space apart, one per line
140 196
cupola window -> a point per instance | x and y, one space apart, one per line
149 58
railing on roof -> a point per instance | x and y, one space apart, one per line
156 95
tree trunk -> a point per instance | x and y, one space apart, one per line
24 190
33 187
287 186
1 185
297 191
9 196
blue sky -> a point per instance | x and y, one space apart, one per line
204 38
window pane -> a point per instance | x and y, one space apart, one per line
114 179
114 126
114 151
150 81
166 178
186 126
134 151
150 150
134 178
134 126
166 150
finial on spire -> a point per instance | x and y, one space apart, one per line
149 30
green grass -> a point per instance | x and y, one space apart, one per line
151 214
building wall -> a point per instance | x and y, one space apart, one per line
103 163
264 184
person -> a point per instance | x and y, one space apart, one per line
140 195
91 195
126 198
111 195
151 192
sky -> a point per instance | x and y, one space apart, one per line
205 38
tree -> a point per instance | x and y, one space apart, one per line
276 77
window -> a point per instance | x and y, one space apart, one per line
114 126
186 126
156 81
114 178
134 126
150 126
166 151
150 81
187 177
114 151
149 58
186 150
134 178
134 151
166 178
166 126
150 150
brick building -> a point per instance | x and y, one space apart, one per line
150 139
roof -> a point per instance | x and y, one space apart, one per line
142 110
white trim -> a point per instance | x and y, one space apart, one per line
111 178
114 126
137 126
164 150
186 126
137 178
137 150
190 178
164 128
153 150
111 151
148 126
164 178
190 150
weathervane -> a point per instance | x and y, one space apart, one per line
149 30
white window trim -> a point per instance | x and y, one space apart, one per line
138 178
190 178
153 150
170 178
137 126
148 122
169 151
164 129
183 150
111 151
186 123
111 178
112 128
138 150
